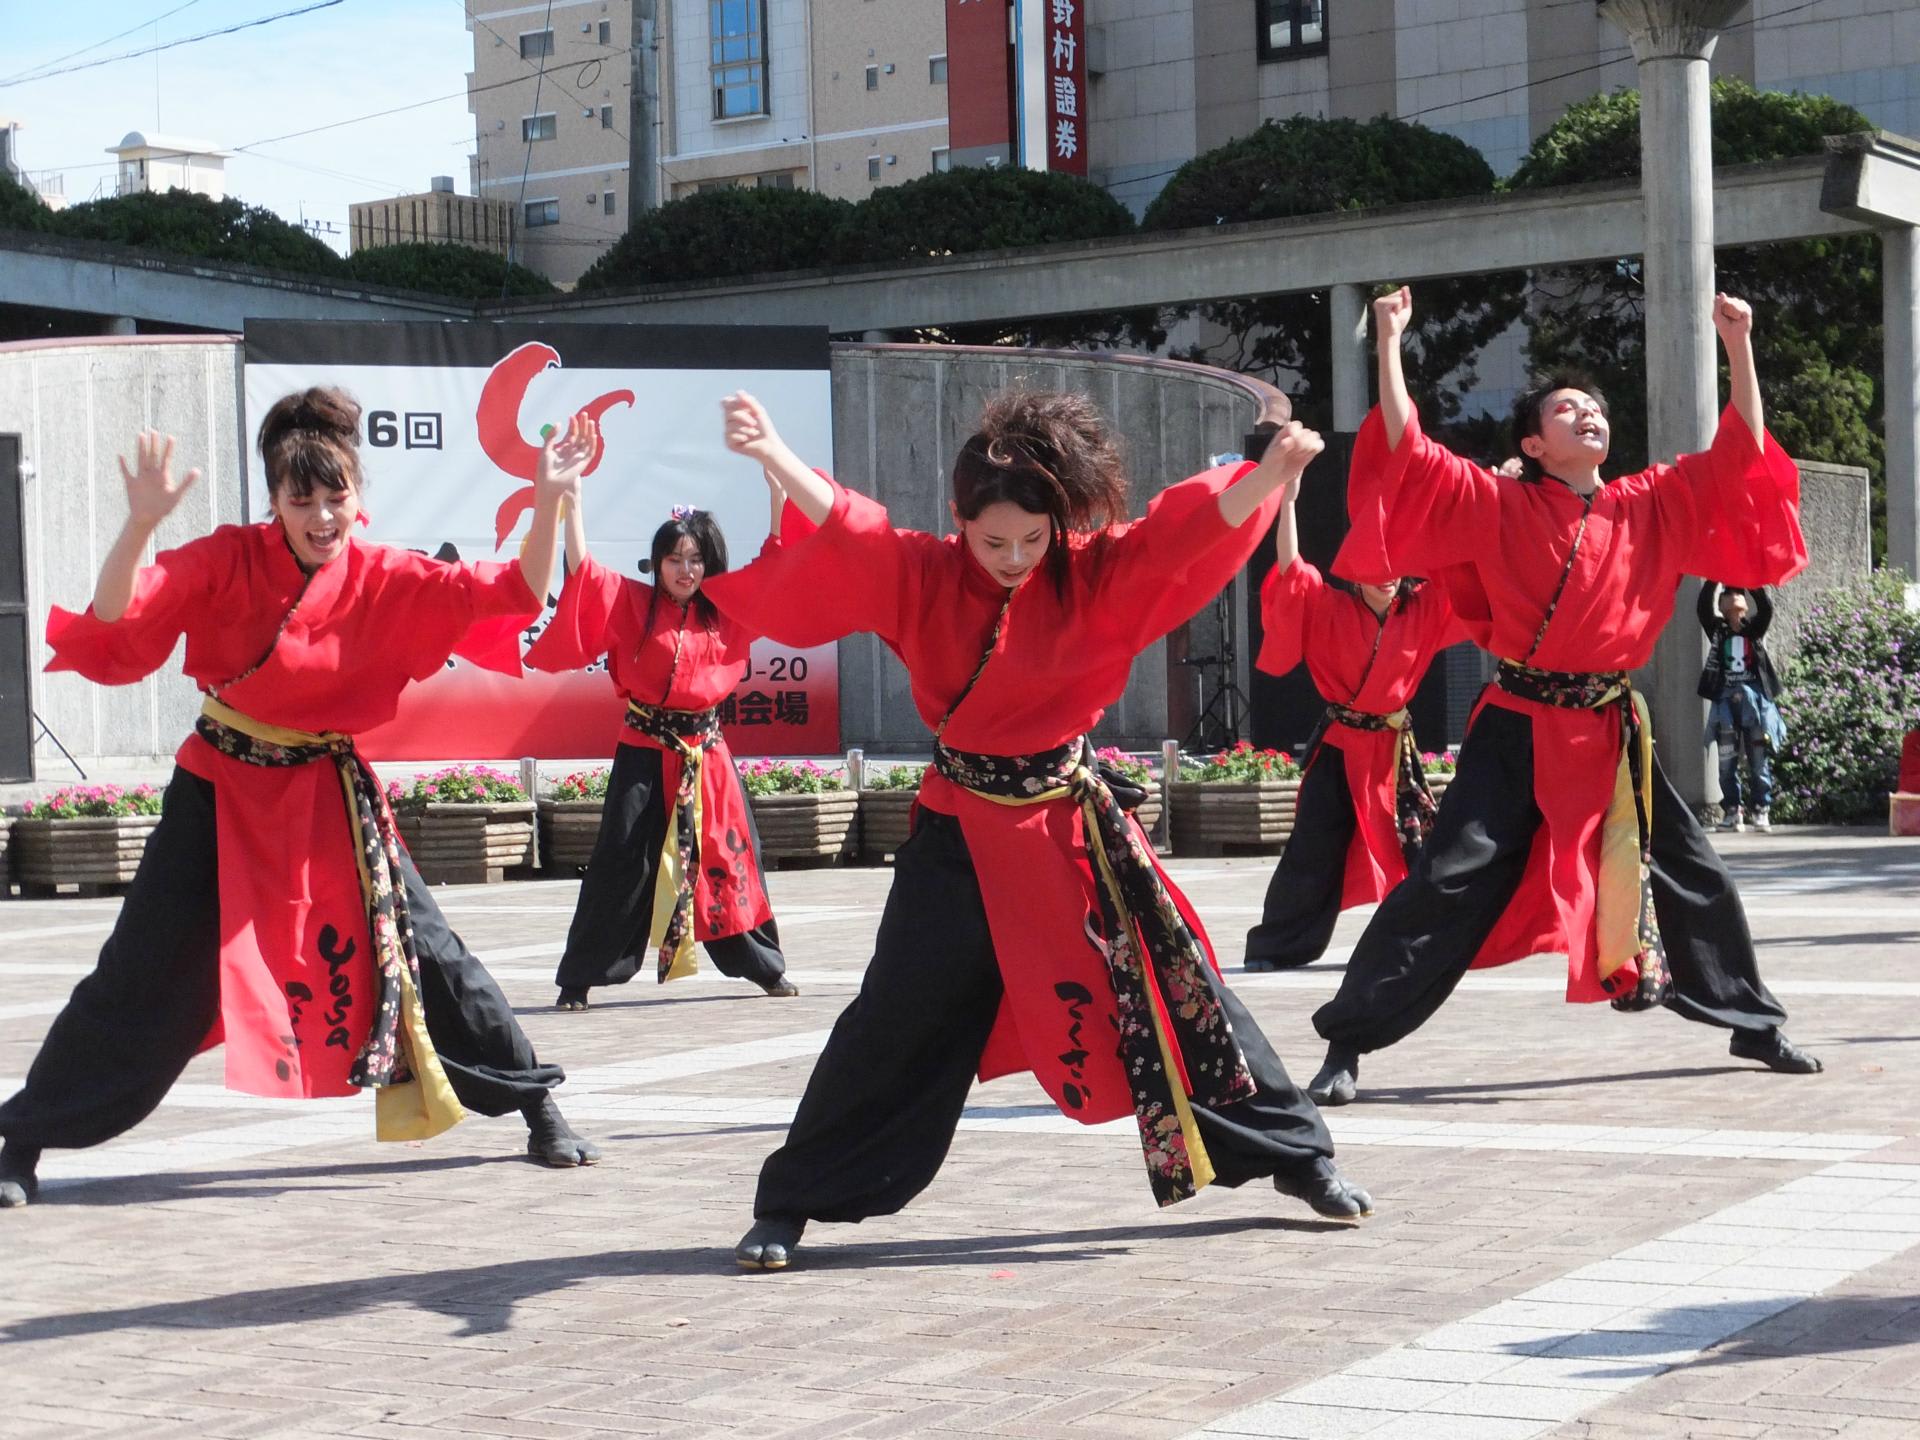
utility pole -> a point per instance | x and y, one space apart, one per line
643 159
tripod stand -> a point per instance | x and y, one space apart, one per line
1218 722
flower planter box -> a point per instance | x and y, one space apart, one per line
885 822
468 844
1903 813
806 827
1241 814
568 831
103 850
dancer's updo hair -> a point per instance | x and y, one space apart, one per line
1051 454
311 440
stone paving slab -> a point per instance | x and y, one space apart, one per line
256 1268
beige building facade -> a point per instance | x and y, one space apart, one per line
839 96
1173 78
436 217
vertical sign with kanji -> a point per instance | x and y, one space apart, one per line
1065 63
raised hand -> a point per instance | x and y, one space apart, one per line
152 494
1292 450
566 455
1733 319
1513 467
749 429
1392 314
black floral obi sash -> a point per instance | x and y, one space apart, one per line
1626 841
1413 804
397 1050
1166 1000
689 734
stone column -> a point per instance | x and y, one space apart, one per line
1900 301
1672 40
1347 307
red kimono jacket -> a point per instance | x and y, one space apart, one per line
1334 632
1500 546
681 664
292 917
1063 656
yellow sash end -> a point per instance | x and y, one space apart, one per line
1617 897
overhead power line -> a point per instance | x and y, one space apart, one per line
27 77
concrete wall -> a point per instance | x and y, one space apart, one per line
1836 515
900 414
77 405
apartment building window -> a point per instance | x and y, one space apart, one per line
873 77
942 160
536 44
539 127
606 202
936 69
739 58
606 117
775 180
873 167
606 32
1291 28
541 212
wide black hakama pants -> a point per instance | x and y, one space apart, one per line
1303 897
607 941
886 1095
134 1023
1425 934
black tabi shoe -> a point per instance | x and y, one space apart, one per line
1773 1050
551 1141
18 1184
770 1244
1254 966
1326 1191
781 988
1338 1081
571 1000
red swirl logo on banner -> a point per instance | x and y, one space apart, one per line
497 420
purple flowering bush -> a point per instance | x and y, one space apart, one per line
788 777
79 802
1851 693
456 785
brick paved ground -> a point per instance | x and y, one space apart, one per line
1592 1197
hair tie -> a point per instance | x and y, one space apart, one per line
684 512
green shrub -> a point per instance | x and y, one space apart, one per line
1851 693
455 270
718 234
584 785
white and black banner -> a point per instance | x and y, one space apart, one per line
452 418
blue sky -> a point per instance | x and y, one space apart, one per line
356 57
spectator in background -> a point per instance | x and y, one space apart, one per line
1740 681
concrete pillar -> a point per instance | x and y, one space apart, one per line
1900 301
1672 40
1347 307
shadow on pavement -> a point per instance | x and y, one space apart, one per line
1489 1094
484 1297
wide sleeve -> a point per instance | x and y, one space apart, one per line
1287 598
181 585
476 610
1414 507
1762 614
1155 572
1733 511
576 636
815 584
